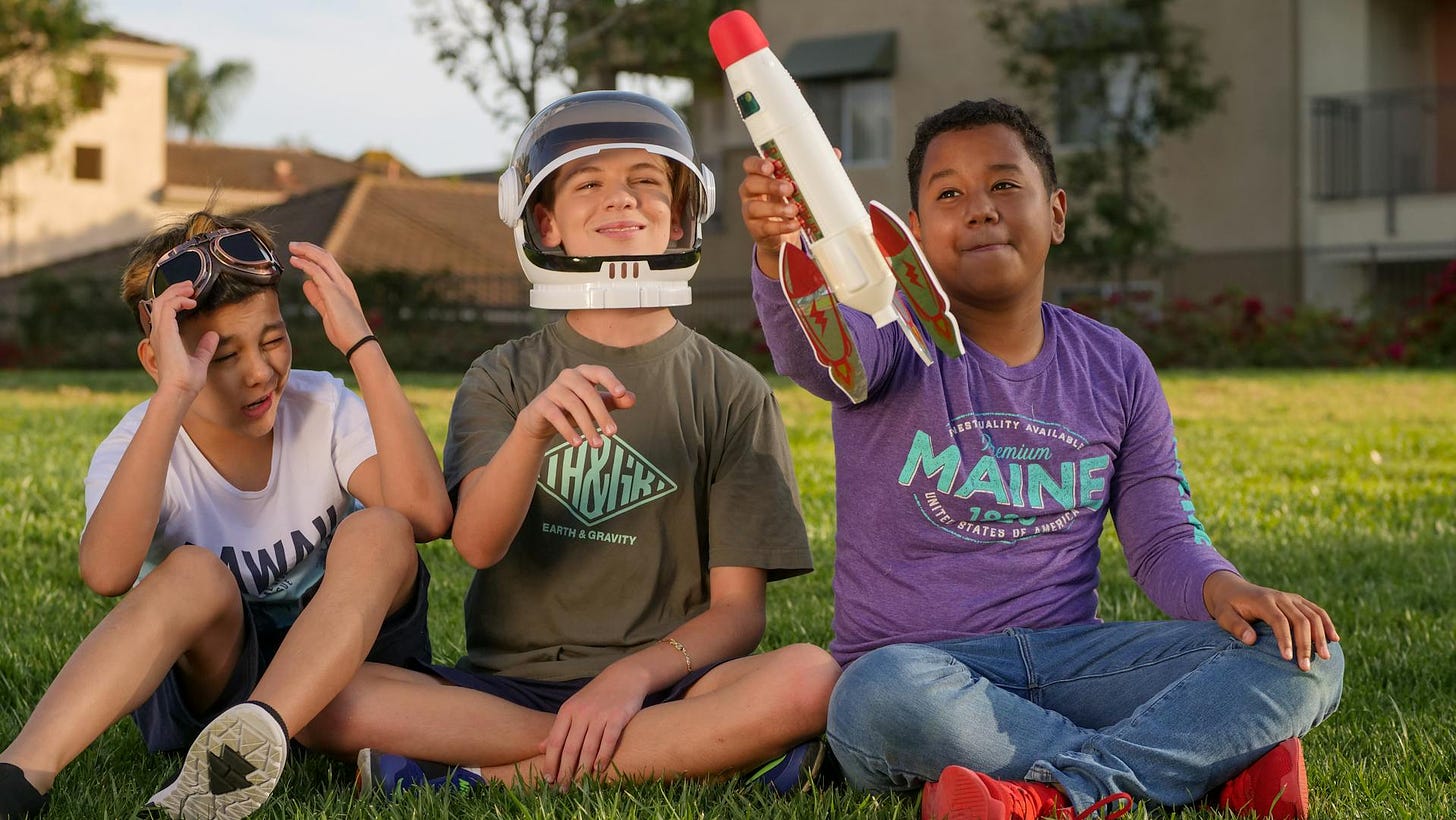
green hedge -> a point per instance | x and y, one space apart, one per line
69 324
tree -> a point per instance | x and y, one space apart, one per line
43 64
197 100
525 44
1120 75
667 38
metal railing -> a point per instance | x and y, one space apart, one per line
1386 143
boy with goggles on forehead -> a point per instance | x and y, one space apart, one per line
215 507
624 489
199 261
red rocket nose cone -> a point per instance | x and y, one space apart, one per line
734 36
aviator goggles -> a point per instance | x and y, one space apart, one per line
199 260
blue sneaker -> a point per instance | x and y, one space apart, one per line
391 774
795 770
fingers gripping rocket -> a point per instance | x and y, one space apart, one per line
855 257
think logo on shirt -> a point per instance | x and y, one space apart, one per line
600 483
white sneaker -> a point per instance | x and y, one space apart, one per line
231 768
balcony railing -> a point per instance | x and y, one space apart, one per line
1386 143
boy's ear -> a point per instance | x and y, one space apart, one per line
1059 216
148 358
546 226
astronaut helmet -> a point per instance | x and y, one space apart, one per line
579 126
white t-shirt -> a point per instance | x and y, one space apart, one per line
273 539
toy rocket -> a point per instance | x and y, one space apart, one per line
856 257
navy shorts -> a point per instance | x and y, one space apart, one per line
167 723
545 695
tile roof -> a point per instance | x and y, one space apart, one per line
374 224
428 226
128 37
282 170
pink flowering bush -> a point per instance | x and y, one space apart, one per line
1236 330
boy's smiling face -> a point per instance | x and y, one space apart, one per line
246 376
985 218
614 203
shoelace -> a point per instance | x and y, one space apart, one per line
1105 803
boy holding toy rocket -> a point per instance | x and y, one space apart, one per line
966 594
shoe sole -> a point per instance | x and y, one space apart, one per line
959 794
364 781
231 768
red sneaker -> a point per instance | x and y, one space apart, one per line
961 794
1275 786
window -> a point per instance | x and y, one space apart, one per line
1091 98
846 81
90 91
88 162
857 117
1083 117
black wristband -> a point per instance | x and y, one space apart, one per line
370 338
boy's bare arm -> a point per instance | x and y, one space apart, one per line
493 499
119 532
405 475
589 725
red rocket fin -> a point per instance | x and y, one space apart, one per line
818 313
915 279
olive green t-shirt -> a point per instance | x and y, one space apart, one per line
615 549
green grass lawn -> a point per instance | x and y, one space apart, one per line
1337 485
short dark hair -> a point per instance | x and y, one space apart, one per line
968 114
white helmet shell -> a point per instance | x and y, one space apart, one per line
581 125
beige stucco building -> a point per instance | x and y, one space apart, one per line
1328 176
101 182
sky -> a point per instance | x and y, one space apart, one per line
340 76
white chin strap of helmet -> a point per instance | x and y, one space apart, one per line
631 283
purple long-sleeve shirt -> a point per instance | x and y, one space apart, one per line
971 495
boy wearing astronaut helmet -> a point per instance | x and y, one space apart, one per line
624 489
580 131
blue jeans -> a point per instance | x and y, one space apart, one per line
1163 710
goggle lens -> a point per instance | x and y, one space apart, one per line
244 247
184 267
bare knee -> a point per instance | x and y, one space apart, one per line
807 675
198 577
379 536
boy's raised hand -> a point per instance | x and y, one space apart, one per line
176 367
331 293
771 218
1300 626
577 405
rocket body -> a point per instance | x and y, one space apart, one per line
861 258
783 128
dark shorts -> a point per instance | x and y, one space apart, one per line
545 695
167 723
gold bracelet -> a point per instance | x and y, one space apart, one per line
676 644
